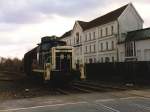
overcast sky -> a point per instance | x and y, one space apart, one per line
24 22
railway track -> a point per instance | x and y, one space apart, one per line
10 76
78 87
24 87
88 87
98 87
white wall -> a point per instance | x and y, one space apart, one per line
90 42
67 40
143 50
129 20
121 52
101 38
78 50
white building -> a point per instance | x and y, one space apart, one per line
67 38
97 40
136 46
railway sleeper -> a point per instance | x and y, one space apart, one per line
82 90
89 87
107 87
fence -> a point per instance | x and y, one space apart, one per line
135 72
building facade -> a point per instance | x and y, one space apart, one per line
97 40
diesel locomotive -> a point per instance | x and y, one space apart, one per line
52 60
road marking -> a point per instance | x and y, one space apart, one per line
141 106
109 108
52 101
35 107
104 100
146 98
127 98
107 100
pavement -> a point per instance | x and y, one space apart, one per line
121 101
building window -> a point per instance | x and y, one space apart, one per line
81 50
94 60
106 45
101 46
102 59
80 39
86 37
90 60
112 45
112 30
113 59
74 40
106 31
129 49
70 42
94 47
77 38
93 35
86 49
89 36
107 59
90 48
101 32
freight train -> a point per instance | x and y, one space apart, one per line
52 60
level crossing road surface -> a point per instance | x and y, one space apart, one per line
123 101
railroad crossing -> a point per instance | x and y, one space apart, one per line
125 101
23 95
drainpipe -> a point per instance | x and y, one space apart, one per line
118 40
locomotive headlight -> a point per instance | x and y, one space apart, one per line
61 56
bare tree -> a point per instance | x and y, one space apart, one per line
12 65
